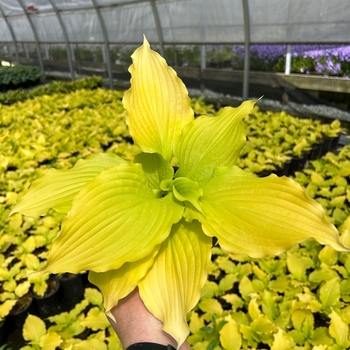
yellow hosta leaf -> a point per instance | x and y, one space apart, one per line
329 292
211 306
115 215
58 187
93 296
261 216
155 168
339 330
22 288
299 316
34 328
157 103
320 347
29 244
32 262
10 286
254 309
196 323
6 307
230 337
201 345
113 341
95 319
50 341
4 161
282 341
172 286
117 284
199 150
297 266
90 344
185 189
263 325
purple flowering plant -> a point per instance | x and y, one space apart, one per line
328 60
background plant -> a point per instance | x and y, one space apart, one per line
329 60
13 96
15 75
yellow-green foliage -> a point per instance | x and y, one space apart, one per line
299 300
35 135
49 129
275 138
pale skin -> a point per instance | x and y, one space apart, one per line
135 324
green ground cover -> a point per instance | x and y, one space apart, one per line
299 300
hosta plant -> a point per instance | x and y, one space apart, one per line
66 330
12 286
150 225
326 181
274 139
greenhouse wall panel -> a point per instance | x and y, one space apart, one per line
72 4
48 28
11 7
82 26
113 2
35 6
7 50
129 23
201 21
322 25
271 24
4 30
21 28
330 32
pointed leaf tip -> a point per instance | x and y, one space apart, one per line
57 188
157 103
145 41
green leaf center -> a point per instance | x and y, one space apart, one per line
184 189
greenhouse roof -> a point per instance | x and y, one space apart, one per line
175 21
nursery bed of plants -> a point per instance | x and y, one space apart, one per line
14 77
298 300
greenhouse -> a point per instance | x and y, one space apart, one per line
186 158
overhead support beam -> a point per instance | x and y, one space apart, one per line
65 35
158 26
12 33
246 20
106 43
36 38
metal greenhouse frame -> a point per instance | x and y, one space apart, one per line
167 22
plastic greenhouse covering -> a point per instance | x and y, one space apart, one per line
175 21
29 29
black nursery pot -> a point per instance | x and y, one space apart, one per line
298 164
283 170
49 304
335 141
20 311
72 288
318 149
2 330
327 145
